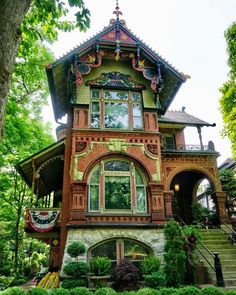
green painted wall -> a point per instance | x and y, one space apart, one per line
124 67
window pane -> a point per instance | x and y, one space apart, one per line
95 121
170 143
116 115
137 123
95 94
138 177
137 111
116 95
94 197
117 166
141 199
95 176
95 107
134 251
136 96
107 249
117 192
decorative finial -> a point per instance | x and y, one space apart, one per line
117 12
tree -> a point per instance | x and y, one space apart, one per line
25 134
31 20
228 181
228 90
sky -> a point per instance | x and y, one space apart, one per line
189 34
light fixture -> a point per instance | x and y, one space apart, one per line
176 187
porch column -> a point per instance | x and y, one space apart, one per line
157 203
168 198
200 136
219 199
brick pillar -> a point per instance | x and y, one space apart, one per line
157 203
168 198
219 199
78 202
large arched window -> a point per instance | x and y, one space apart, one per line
117 186
119 249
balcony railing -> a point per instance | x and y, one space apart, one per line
190 148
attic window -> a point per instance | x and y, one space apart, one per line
116 109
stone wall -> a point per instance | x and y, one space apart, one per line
152 238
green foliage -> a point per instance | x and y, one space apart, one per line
105 291
76 269
100 266
150 264
231 292
189 290
211 291
13 291
199 212
175 257
156 280
228 90
37 291
80 291
147 291
59 291
73 283
5 282
191 231
168 291
76 249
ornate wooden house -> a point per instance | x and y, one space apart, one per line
121 160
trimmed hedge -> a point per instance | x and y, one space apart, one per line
37 291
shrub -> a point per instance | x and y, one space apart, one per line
73 283
211 291
13 291
147 291
189 290
80 291
100 266
126 276
19 281
37 291
76 269
5 282
59 291
155 280
231 292
76 249
150 265
169 291
105 291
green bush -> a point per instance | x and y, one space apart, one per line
76 269
100 266
76 249
211 291
5 282
19 281
150 265
156 280
105 291
169 291
231 292
13 291
147 291
37 291
73 283
80 291
59 291
189 290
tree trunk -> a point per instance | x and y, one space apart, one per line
12 13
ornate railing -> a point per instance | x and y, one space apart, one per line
190 148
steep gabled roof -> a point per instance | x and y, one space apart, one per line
182 118
57 72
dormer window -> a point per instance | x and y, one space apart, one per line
116 109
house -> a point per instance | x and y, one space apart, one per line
121 167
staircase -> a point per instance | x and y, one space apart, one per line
216 241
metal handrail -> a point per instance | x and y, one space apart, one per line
215 255
232 237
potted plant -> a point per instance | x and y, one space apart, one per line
191 232
100 267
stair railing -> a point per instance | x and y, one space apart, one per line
215 255
230 235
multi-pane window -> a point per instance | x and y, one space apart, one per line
116 109
117 185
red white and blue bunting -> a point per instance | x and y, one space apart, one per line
43 221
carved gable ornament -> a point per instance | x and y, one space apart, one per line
115 80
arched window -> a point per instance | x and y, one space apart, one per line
117 186
119 249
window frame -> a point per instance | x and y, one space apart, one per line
130 101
